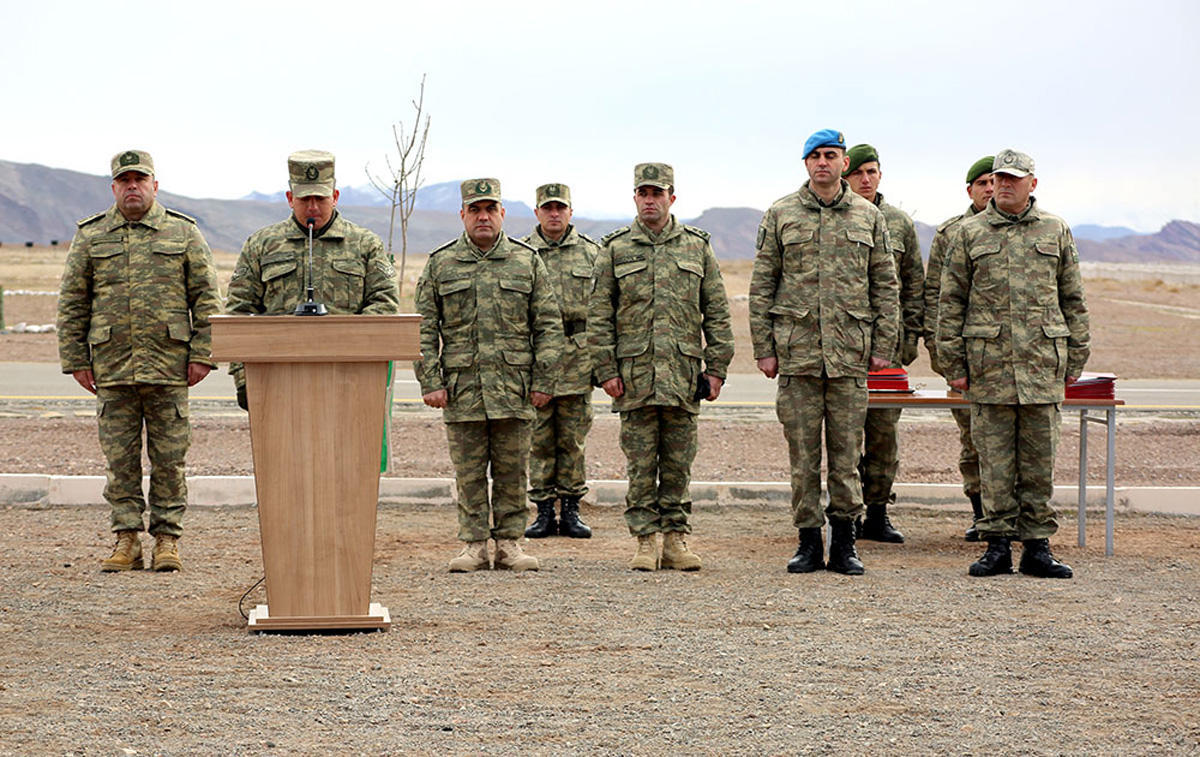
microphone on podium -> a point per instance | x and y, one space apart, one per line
310 307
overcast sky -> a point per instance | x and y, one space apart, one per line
1103 95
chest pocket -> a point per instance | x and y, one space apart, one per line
108 264
688 289
513 296
458 300
277 266
349 283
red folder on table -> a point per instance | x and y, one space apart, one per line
888 380
1094 386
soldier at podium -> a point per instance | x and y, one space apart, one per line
351 273
491 341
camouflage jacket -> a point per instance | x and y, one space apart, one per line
1011 313
351 272
902 238
491 331
569 263
933 282
657 309
136 298
823 295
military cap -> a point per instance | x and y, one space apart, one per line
823 138
553 193
132 160
653 175
858 155
477 190
1012 163
310 172
979 168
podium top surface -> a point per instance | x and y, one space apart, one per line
315 339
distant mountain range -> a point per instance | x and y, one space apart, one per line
40 204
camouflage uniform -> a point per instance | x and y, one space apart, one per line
657 311
968 458
1012 320
823 301
556 460
881 447
134 308
491 335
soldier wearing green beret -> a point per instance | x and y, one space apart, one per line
881 446
980 183
491 342
823 311
137 293
661 340
1012 332
556 457
351 273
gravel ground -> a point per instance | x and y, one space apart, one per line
587 657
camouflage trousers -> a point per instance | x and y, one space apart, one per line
556 448
1016 444
659 443
501 445
881 455
968 458
805 404
121 414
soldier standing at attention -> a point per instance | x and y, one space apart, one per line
556 455
823 309
881 447
351 273
660 334
491 340
1012 331
979 188
137 292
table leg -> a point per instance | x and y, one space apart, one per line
1082 517
1109 504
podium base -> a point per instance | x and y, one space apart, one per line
377 618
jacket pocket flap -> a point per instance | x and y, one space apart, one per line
624 269
581 273
450 287
794 235
691 266
458 359
860 236
99 334
180 332
348 266
1055 330
789 311
518 358
691 350
106 250
982 330
1047 248
979 250
860 315
169 248
631 348
276 270
524 286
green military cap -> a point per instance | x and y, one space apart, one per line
553 193
132 160
1012 163
310 172
477 190
654 175
858 155
979 168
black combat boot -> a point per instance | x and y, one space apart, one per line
569 523
1036 560
996 561
878 527
843 558
972 533
810 555
545 524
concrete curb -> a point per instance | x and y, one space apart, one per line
226 491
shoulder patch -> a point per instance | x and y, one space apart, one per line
697 232
89 219
948 223
522 243
586 238
436 250
177 214
614 234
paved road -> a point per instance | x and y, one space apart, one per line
44 381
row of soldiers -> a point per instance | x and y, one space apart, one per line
515 333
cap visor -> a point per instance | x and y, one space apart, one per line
659 184
310 190
1011 172
138 169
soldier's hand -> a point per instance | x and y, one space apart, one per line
878 364
769 366
714 387
541 399
614 387
435 399
86 379
197 372
1072 380
959 385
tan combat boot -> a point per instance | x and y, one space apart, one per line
646 557
510 556
474 556
676 555
127 554
166 553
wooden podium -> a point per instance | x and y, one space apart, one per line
317 393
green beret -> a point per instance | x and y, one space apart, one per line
979 168
858 155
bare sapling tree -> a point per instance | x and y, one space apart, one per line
399 187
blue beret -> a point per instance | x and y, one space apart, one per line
824 138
